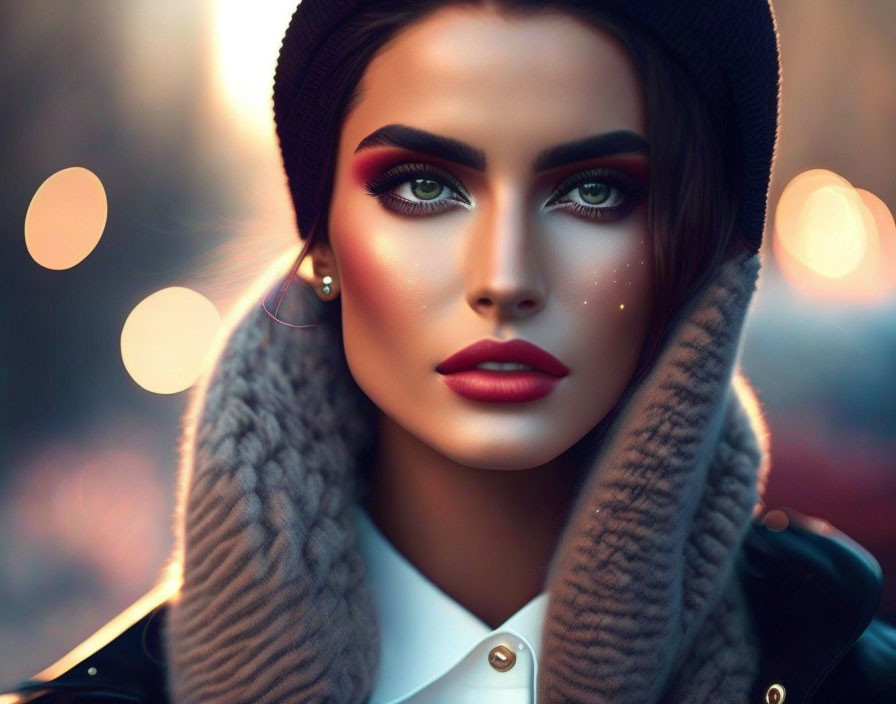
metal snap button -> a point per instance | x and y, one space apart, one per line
775 694
501 658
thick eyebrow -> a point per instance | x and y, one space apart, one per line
607 144
414 139
419 140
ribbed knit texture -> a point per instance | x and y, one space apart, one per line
273 606
640 581
729 47
642 607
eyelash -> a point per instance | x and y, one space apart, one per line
381 187
628 188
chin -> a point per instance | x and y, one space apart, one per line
508 455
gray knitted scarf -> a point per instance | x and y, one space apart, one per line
643 604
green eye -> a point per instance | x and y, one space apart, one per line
426 189
598 194
595 193
418 189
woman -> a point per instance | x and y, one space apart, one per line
533 232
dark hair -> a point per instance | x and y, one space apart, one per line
692 204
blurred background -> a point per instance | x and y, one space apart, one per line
140 173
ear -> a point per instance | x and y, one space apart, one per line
319 271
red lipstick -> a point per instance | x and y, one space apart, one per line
461 374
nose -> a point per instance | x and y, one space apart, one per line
505 265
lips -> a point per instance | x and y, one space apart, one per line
518 351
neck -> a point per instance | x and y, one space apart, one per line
485 537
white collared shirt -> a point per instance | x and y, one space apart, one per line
432 649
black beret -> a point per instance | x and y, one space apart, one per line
729 47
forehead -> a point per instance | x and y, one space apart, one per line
504 84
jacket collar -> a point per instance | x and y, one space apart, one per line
812 592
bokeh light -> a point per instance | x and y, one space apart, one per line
832 241
247 38
886 237
830 235
66 218
166 339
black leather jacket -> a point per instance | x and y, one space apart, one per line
813 593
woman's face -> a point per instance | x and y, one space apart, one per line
506 238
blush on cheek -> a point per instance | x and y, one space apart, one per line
365 282
365 306
378 287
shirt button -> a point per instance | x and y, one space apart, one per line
501 658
